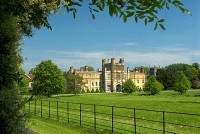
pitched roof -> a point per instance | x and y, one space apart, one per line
30 77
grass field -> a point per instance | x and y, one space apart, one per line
166 101
46 126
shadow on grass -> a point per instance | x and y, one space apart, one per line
197 95
144 94
66 95
125 94
189 102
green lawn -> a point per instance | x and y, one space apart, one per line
46 126
166 101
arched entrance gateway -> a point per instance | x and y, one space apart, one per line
118 88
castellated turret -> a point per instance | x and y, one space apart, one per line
86 68
121 61
142 70
113 61
103 63
72 70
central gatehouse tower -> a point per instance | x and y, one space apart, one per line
113 75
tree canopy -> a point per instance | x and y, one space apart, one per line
182 84
129 87
167 76
74 83
152 86
23 82
35 13
11 117
90 68
32 71
48 79
177 67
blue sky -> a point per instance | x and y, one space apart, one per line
83 41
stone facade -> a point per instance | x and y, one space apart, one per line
91 79
111 77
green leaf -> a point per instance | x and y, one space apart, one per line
95 10
111 10
130 14
182 9
94 1
125 18
167 6
161 20
163 3
93 17
156 25
136 19
58 2
189 12
151 19
145 21
130 8
74 15
77 4
152 14
98 5
163 28
141 17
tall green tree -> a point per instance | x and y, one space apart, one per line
74 83
196 65
90 68
190 71
182 84
48 79
177 67
152 86
32 71
129 87
167 78
11 118
192 74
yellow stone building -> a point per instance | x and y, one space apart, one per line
111 77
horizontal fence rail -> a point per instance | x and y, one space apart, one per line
113 119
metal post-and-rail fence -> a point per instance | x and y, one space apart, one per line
113 119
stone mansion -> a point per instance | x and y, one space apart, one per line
111 77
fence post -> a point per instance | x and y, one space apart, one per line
163 122
68 112
80 114
49 109
29 107
135 120
94 117
57 111
41 108
112 119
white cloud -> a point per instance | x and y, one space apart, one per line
160 56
